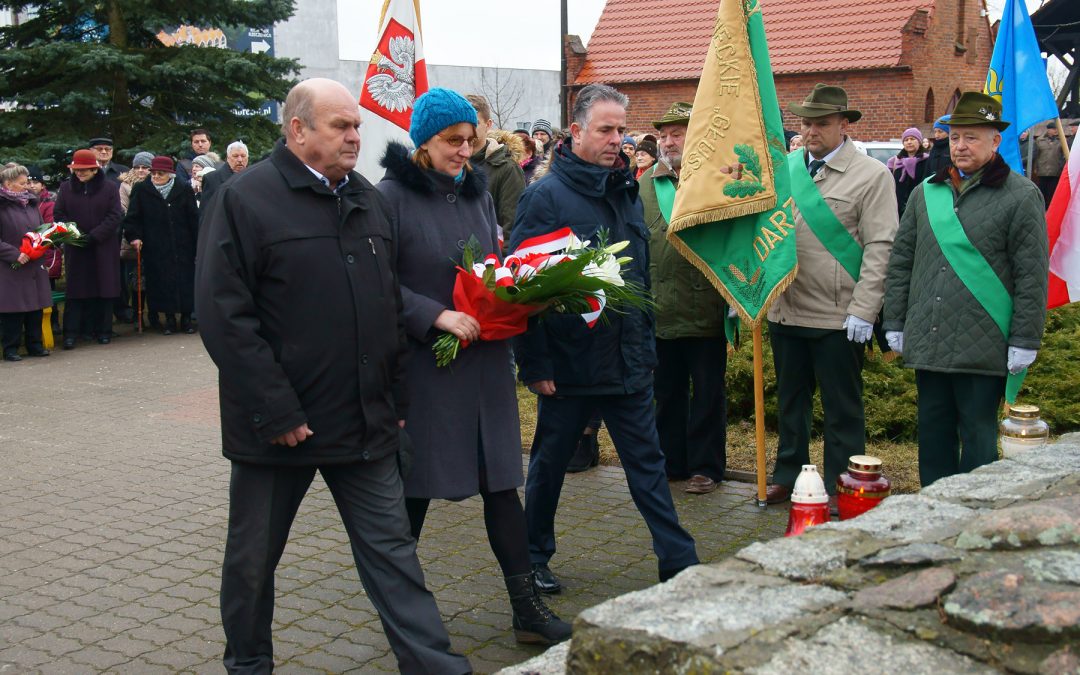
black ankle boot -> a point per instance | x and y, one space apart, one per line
586 456
534 623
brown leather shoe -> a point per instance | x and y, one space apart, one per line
700 485
777 494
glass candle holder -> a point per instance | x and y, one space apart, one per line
809 502
861 487
1022 430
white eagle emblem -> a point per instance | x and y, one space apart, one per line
395 90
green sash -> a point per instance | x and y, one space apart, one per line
665 199
974 272
820 218
665 195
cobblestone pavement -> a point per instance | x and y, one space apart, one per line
113 507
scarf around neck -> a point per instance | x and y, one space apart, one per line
166 188
907 164
22 197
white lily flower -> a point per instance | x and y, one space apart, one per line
575 244
608 270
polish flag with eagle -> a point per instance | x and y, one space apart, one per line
396 76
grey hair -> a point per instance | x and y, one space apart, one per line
236 145
11 171
300 103
590 96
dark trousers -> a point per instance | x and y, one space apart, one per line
263 501
692 424
957 410
805 359
631 422
1047 185
504 520
91 314
12 326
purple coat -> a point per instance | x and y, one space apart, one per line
94 270
27 288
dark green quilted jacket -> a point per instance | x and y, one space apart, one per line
945 328
687 305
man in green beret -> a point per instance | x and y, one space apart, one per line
965 296
691 352
845 220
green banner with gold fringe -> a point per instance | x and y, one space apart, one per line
737 226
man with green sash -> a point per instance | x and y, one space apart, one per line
845 220
690 344
965 296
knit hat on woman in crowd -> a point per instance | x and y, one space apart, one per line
142 159
162 163
649 147
914 133
203 161
437 109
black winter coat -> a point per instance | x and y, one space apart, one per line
939 156
299 307
617 355
169 229
93 271
905 184
213 181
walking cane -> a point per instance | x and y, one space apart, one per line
138 285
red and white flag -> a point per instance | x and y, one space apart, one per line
396 76
1063 228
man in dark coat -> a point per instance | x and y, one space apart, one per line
505 179
939 151
236 160
103 151
299 306
578 370
93 271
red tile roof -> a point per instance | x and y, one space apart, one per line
648 40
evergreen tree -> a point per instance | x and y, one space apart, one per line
78 69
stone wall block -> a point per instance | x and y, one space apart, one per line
1015 606
907 519
996 485
1051 522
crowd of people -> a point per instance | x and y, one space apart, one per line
389 430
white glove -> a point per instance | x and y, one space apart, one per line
857 329
732 313
1020 358
895 338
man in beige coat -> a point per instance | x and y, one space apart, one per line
845 219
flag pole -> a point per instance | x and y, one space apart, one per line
759 414
1061 137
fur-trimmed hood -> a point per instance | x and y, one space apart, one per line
994 175
399 167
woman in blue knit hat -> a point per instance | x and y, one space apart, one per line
463 421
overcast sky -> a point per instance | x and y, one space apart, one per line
499 33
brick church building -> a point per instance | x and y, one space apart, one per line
903 62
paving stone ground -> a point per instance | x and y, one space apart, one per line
113 508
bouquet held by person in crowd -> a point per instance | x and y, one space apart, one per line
51 235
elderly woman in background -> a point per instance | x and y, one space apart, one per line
532 160
163 222
140 169
463 421
93 272
24 292
201 167
646 156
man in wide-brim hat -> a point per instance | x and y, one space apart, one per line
691 352
972 246
845 220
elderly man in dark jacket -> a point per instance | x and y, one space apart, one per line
577 370
965 294
300 308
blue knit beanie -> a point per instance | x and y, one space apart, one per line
437 109
943 123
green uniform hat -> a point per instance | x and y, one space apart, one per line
678 113
976 109
825 100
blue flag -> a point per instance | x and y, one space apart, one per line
1018 79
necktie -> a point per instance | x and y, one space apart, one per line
815 166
